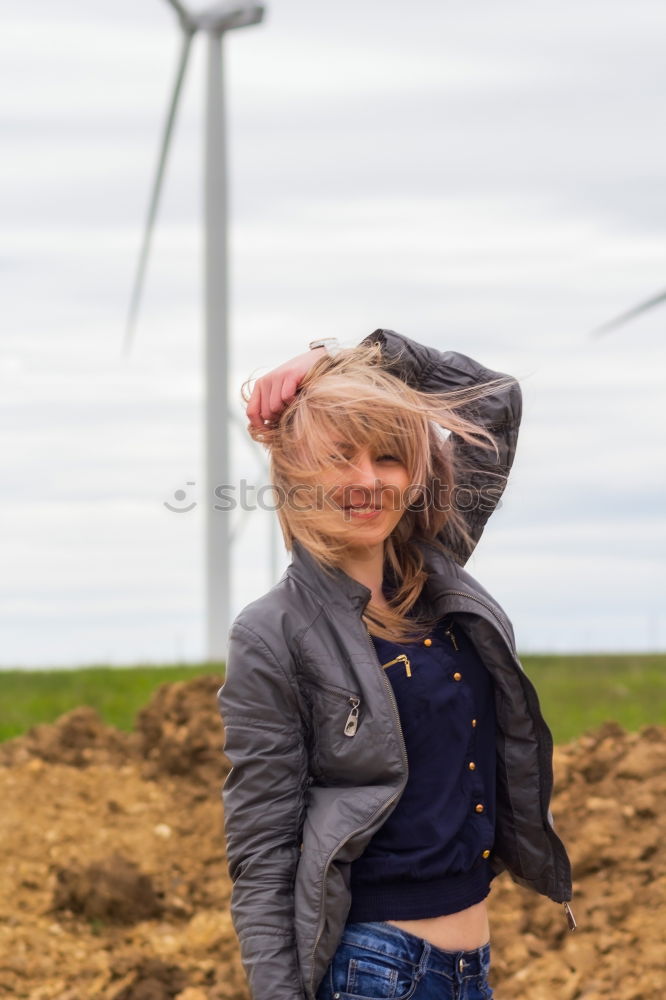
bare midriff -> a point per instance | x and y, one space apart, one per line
463 931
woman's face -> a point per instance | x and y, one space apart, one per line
367 492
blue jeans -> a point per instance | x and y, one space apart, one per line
378 961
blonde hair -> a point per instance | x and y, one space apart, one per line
353 398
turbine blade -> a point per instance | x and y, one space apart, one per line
156 191
631 314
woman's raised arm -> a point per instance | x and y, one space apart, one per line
431 370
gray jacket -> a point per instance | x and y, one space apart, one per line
309 786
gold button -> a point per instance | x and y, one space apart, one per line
473 722
472 765
486 854
457 676
427 642
479 807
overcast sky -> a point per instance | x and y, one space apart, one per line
482 177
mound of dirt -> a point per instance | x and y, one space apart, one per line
78 738
114 883
180 731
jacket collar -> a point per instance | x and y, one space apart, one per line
336 587
333 586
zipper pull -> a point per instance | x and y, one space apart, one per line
401 656
449 631
351 725
571 920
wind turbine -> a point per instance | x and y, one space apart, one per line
213 22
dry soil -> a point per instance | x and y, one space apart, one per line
113 881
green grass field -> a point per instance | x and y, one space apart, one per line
576 692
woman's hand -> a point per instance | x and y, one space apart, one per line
274 391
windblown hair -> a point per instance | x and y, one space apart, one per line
354 399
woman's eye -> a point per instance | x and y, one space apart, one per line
349 458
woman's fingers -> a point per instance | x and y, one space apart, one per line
282 391
253 410
276 390
266 411
266 401
288 389
275 400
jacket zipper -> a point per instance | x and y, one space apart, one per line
351 724
383 808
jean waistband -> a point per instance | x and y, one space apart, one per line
391 940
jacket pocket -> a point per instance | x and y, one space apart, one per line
336 714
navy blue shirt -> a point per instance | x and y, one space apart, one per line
427 859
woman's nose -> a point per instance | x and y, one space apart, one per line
363 479
365 466
363 469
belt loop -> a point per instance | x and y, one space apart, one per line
425 956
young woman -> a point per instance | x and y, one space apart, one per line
389 757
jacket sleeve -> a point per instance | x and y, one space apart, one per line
431 370
263 802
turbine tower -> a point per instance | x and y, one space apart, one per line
213 22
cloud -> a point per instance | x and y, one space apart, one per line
485 178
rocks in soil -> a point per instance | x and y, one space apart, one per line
113 890
153 979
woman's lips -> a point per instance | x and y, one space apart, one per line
364 513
